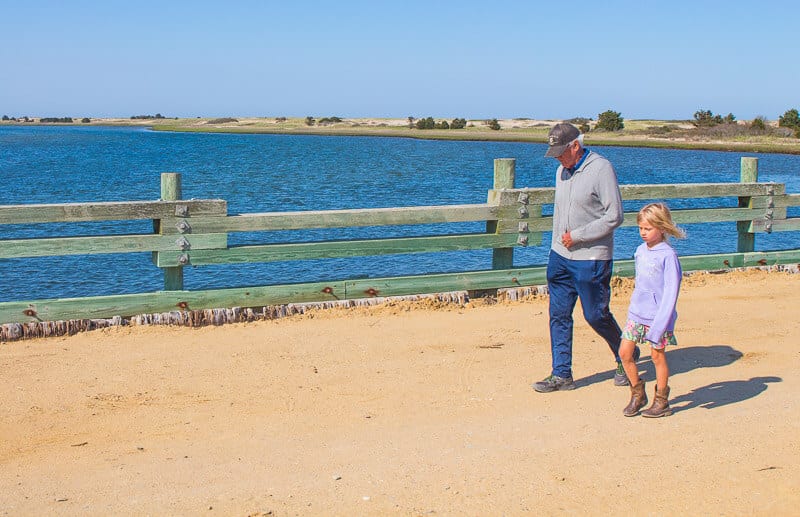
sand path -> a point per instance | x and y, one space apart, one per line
407 410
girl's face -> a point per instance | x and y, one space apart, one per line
650 234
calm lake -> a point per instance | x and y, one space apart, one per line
264 173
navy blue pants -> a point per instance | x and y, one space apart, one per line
567 280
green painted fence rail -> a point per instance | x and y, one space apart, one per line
195 233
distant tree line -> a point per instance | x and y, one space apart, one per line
324 121
609 120
789 120
310 121
703 119
66 120
147 117
6 118
430 123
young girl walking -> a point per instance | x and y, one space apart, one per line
652 315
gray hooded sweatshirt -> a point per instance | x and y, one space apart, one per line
589 206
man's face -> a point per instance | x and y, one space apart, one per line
571 155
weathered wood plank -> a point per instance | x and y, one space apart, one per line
504 177
688 216
706 215
164 301
531 196
336 218
161 301
106 244
338 249
544 195
74 212
776 202
777 225
466 281
699 190
171 191
788 200
721 261
536 224
110 211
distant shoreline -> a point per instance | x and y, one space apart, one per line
637 133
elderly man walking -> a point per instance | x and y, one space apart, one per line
586 211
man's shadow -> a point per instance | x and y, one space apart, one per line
682 360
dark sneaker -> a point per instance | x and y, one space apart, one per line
554 383
620 377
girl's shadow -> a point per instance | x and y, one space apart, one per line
717 394
720 394
682 360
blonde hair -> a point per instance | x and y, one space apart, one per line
660 217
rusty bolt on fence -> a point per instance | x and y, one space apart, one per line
329 290
31 313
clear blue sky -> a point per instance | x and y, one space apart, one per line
471 59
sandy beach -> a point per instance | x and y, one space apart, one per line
408 409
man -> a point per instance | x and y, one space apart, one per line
586 211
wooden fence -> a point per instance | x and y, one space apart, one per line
194 232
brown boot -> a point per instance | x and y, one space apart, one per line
638 400
660 405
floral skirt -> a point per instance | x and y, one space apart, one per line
636 332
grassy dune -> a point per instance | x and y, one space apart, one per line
637 133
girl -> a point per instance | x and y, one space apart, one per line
651 315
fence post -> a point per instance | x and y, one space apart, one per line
171 191
748 174
504 177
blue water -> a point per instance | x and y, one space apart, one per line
263 173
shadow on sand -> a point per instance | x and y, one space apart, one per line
682 360
720 394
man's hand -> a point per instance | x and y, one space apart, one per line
566 240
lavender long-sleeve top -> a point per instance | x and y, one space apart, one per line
655 295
